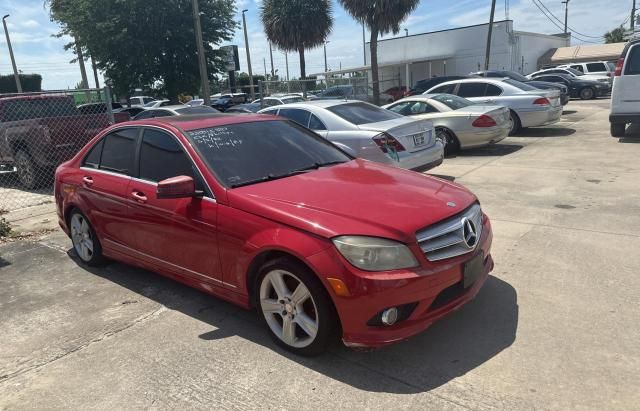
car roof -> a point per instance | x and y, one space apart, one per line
171 107
197 121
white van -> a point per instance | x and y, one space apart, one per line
603 68
625 96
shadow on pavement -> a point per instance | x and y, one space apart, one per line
545 132
494 150
450 348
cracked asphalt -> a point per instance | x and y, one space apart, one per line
555 326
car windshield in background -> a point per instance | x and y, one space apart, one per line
250 153
518 77
149 104
39 108
612 65
197 110
574 71
451 101
520 85
287 100
362 113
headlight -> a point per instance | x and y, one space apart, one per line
375 254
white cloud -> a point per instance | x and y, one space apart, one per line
30 24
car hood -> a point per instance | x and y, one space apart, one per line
358 198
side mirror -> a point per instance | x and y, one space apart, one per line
176 187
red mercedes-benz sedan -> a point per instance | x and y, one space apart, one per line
264 213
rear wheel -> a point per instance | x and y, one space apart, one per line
84 239
451 143
295 307
514 123
28 172
618 129
587 93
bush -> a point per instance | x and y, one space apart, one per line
29 82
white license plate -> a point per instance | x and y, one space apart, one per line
419 140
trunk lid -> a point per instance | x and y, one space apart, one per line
414 135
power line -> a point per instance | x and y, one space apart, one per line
569 27
560 27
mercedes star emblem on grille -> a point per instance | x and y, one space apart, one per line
469 233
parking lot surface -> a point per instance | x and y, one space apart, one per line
555 326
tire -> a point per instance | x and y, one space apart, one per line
29 174
618 129
452 145
84 239
587 93
514 120
308 310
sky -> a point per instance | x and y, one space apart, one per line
37 51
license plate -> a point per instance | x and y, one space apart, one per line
418 140
472 269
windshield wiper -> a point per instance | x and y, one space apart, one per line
270 177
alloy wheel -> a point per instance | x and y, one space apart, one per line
26 172
289 308
81 237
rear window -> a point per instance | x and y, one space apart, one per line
633 62
451 101
197 110
362 113
520 85
16 110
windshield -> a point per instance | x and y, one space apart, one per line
150 104
574 71
249 153
451 101
517 76
287 100
197 110
520 85
362 113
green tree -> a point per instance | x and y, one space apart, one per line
615 36
296 25
381 17
138 43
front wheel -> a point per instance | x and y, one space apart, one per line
587 93
295 307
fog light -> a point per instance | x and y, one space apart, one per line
389 316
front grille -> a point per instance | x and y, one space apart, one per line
452 237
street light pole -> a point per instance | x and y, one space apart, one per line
271 57
286 62
13 60
364 46
325 56
633 16
246 45
566 14
488 51
204 78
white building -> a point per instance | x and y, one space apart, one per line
407 59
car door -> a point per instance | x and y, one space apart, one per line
179 235
106 175
626 93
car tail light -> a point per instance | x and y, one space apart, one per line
484 121
385 141
619 66
543 101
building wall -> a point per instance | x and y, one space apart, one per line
532 46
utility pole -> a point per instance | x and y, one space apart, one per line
204 78
325 56
364 46
633 16
264 62
286 62
246 45
13 60
273 74
488 53
566 14
406 32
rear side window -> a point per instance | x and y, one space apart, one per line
446 89
92 160
633 62
299 116
118 151
591 67
493 90
161 157
316 124
472 89
579 67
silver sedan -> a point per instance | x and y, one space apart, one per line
369 132
529 106
457 121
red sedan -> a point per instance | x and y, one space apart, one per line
264 213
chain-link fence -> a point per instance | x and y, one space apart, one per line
38 131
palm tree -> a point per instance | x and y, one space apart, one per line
296 25
381 17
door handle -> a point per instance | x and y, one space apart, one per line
139 197
87 180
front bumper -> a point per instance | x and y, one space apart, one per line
435 289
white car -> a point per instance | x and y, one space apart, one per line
571 72
175 110
368 131
276 101
140 101
625 96
157 103
528 106
457 121
600 68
